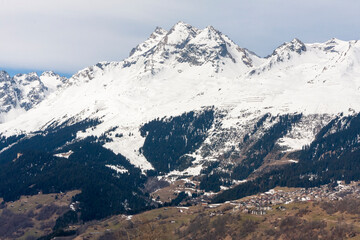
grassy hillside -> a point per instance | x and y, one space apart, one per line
304 220
31 217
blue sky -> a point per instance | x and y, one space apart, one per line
14 71
66 36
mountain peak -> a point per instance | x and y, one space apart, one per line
181 24
296 40
4 76
48 73
180 34
184 43
52 80
154 39
334 41
22 90
209 36
27 77
211 29
296 46
284 51
159 31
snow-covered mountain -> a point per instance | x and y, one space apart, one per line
24 91
187 70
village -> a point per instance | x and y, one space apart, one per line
261 203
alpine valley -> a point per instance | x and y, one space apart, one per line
188 107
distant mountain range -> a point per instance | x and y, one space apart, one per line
24 91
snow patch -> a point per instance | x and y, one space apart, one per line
64 155
117 168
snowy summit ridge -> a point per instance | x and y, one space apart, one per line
187 44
